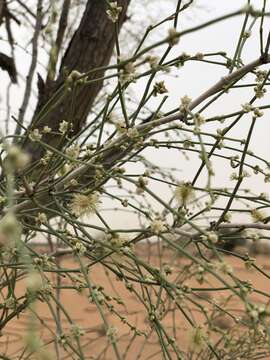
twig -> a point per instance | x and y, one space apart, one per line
32 68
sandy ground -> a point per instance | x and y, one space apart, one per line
84 314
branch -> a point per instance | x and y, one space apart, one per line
111 152
32 68
91 47
7 63
219 86
2 4
258 226
58 42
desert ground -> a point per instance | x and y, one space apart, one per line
94 342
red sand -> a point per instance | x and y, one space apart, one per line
85 314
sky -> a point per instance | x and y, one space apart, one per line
191 80
194 78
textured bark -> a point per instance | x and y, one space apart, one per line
2 4
91 47
7 64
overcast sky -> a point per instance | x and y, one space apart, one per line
195 78
191 80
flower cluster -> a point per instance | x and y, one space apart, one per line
114 11
257 215
185 102
184 193
35 135
63 127
82 204
211 236
259 89
17 158
173 37
127 73
142 182
73 152
157 226
197 339
159 88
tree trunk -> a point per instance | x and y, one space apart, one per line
91 47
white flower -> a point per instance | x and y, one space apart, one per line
264 196
254 315
97 296
114 11
10 228
77 331
47 129
73 182
79 248
199 119
35 135
82 204
260 76
41 218
132 133
34 281
63 126
157 226
259 91
10 302
257 112
224 267
74 76
257 215
120 126
197 339
128 73
173 37
184 193
17 158
185 102
159 88
141 185
153 61
212 236
117 241
199 56
73 151
247 107
112 331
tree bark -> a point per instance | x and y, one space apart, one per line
90 47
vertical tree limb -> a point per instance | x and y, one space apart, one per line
32 68
90 47
58 42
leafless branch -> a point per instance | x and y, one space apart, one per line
29 78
